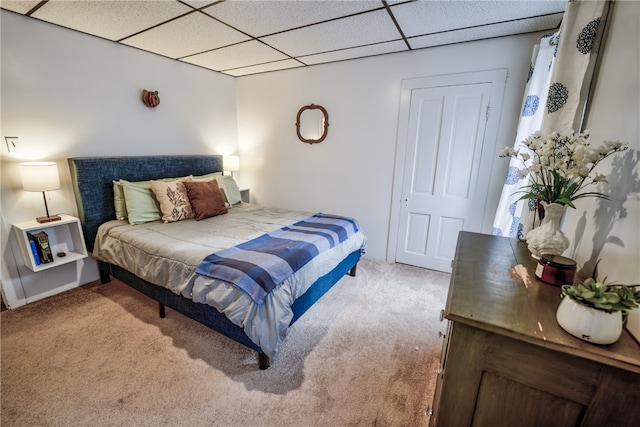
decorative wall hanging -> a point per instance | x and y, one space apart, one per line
311 126
150 99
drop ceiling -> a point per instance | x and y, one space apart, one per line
242 37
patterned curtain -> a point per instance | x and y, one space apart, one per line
508 219
560 80
581 33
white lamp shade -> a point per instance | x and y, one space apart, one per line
39 176
231 163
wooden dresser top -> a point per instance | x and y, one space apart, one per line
494 288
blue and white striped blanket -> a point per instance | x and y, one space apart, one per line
261 264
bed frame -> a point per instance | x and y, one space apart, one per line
92 179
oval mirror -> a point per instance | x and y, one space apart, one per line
312 123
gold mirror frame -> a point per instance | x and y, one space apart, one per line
325 123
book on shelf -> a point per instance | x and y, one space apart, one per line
41 242
34 250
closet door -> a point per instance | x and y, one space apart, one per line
443 186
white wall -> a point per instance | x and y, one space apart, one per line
351 171
612 228
67 94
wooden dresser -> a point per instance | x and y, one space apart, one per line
507 362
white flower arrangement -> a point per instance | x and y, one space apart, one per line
560 166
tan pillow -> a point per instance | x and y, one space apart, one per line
205 198
173 199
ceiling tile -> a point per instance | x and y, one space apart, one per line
358 52
112 20
260 18
236 56
428 17
488 31
368 28
20 6
188 35
271 66
200 3
221 34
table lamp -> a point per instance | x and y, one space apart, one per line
231 164
41 176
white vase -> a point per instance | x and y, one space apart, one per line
589 324
548 238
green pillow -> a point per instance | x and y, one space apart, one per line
231 190
118 200
142 205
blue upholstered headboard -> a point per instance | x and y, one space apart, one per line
92 179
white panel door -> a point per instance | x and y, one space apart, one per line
444 144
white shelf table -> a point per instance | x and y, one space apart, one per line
65 236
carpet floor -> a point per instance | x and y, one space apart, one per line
365 354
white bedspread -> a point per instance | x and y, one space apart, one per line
167 255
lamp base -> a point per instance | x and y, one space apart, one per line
45 219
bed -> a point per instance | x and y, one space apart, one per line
165 270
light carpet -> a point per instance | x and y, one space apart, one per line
365 354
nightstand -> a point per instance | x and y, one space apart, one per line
245 196
65 236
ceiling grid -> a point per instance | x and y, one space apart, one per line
242 37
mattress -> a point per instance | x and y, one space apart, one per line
167 255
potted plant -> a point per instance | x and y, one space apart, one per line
595 311
560 170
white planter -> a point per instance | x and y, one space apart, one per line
589 324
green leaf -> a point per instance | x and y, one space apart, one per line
603 306
613 298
